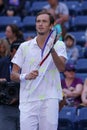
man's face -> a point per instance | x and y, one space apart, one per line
43 24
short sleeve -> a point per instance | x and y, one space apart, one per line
61 49
18 57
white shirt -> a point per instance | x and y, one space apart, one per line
47 84
61 8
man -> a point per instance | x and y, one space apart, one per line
39 99
61 13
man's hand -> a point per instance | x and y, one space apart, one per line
32 75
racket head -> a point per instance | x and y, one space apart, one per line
52 39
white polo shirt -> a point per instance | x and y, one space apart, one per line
47 84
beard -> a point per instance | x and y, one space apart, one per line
41 33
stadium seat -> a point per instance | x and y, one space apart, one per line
82 118
2 34
29 23
65 124
81 51
67 118
81 22
82 76
5 20
73 7
80 37
37 6
83 6
81 65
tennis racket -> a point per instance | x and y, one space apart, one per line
50 42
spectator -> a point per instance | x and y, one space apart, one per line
9 112
84 93
2 8
72 86
4 60
5 64
13 34
4 48
13 49
61 12
72 51
15 7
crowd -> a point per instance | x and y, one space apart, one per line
74 89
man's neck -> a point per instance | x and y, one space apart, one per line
41 40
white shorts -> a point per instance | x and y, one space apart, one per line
39 115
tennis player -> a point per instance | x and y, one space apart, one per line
39 101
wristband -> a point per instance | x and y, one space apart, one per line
22 77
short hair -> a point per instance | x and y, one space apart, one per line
46 12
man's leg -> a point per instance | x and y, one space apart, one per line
48 119
29 116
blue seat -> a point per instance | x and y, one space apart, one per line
82 76
67 118
81 51
73 7
29 23
68 112
83 6
82 118
65 124
81 22
37 6
81 65
80 37
2 34
5 20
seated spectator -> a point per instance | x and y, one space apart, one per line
15 7
72 86
2 8
4 48
5 62
9 99
84 94
72 51
13 34
61 12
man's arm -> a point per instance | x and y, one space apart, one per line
58 60
16 76
62 19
